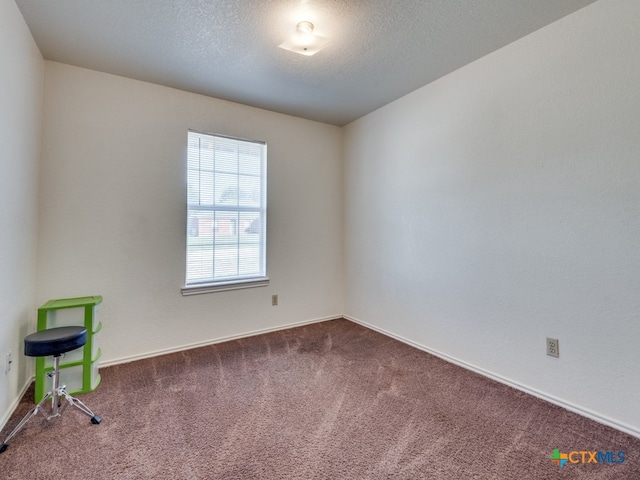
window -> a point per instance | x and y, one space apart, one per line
226 213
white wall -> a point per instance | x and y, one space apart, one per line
20 128
113 212
500 205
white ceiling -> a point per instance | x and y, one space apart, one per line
379 51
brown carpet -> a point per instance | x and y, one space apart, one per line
326 401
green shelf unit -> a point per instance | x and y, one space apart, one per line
78 368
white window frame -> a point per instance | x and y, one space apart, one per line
202 199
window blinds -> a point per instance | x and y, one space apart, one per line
226 209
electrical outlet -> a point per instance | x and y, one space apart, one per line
7 365
553 347
274 300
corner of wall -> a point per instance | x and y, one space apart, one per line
21 95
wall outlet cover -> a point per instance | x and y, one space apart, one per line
553 347
9 361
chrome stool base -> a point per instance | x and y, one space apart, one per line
56 395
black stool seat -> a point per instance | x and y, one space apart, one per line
54 341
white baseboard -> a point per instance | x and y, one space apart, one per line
12 408
498 378
189 346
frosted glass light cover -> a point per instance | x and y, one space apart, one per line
304 43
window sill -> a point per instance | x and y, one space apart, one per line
225 286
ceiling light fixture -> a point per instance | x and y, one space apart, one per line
304 41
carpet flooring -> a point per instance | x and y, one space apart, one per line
331 400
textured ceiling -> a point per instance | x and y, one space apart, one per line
379 51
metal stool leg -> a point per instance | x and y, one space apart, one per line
55 395
25 420
73 401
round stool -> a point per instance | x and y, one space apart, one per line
53 342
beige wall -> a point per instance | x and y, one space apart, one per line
500 205
113 212
20 129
